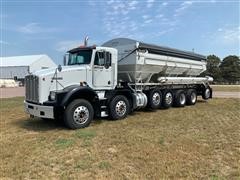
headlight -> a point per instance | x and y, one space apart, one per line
52 95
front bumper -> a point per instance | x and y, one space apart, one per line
39 110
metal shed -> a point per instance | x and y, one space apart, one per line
17 67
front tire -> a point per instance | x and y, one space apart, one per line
78 114
118 107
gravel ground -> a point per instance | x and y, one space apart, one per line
19 91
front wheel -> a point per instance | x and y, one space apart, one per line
118 107
78 114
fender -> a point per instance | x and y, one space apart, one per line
74 92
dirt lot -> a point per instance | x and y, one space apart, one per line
12 92
195 142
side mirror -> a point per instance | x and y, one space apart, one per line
59 68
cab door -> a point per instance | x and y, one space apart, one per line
102 69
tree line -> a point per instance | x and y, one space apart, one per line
226 71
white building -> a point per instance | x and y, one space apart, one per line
17 67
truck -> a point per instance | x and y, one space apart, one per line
115 79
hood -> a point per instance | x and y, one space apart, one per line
51 71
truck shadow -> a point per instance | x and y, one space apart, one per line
38 124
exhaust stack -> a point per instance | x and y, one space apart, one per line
86 40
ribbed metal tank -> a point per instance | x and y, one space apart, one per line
142 62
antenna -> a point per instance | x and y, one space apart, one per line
86 40
193 50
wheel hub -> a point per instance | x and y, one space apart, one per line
81 114
182 99
193 97
168 98
156 98
121 108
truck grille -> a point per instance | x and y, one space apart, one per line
31 91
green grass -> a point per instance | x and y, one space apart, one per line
64 143
195 142
104 165
85 134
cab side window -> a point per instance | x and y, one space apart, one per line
103 59
99 59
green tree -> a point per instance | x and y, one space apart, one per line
230 69
213 69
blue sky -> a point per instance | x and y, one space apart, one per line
52 27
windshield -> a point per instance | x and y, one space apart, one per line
80 57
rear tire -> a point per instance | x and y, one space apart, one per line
154 99
167 99
191 97
206 94
78 114
180 98
118 107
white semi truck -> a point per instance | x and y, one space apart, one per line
115 79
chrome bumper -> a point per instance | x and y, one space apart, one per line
39 110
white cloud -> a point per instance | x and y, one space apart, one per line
35 28
131 18
145 16
64 46
228 35
4 42
150 3
183 6
164 3
148 21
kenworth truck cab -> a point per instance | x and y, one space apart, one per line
88 85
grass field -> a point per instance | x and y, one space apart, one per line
226 88
201 141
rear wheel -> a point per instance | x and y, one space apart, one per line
206 93
154 99
78 114
180 98
167 99
191 97
119 107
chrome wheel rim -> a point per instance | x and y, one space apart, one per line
168 98
121 108
207 93
193 97
182 99
81 115
156 98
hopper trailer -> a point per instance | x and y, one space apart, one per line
115 79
